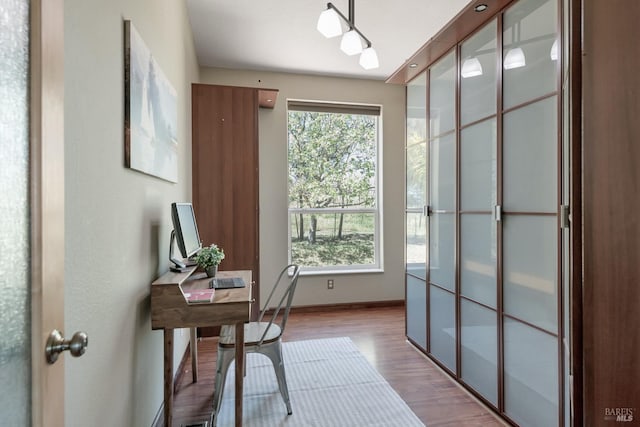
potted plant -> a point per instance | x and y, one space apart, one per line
209 258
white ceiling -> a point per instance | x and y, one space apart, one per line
281 35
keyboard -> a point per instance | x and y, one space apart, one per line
227 283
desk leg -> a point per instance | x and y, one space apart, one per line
239 371
193 344
168 377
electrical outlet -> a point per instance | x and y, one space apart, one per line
330 284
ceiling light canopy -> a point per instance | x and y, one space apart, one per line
330 25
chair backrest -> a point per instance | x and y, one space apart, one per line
290 280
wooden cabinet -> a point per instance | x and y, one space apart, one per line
225 174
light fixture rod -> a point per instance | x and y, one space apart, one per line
352 12
350 20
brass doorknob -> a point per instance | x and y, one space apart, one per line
56 344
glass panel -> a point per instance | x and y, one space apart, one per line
478 255
442 175
530 28
417 311
478 173
332 159
443 326
442 99
530 375
15 305
531 158
478 70
479 336
333 239
442 250
417 142
416 175
417 244
530 271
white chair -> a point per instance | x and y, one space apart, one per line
259 337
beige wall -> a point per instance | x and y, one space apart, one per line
313 290
117 220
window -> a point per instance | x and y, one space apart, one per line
334 192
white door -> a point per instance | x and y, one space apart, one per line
32 219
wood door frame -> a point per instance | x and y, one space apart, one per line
47 205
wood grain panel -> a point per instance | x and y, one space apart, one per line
225 173
267 98
611 203
169 308
576 280
460 26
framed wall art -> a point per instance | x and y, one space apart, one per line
151 116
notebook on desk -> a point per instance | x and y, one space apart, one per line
227 283
199 296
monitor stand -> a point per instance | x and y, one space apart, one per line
179 266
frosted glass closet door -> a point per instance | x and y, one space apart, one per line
530 206
442 201
416 220
478 196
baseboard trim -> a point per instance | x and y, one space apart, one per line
345 306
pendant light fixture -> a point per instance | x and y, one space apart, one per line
329 25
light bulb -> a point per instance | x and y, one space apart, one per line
329 23
351 43
369 59
514 59
471 67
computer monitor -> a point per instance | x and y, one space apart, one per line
185 233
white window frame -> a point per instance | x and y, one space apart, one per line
377 211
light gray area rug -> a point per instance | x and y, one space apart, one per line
331 384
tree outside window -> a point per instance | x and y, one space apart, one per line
333 186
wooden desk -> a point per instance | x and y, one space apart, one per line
169 310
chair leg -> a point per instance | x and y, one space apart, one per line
274 352
225 357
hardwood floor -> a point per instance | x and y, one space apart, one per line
379 334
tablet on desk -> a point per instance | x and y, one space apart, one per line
227 283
